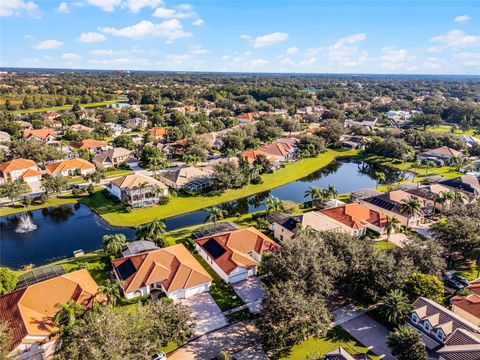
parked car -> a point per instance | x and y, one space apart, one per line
461 279
453 283
159 356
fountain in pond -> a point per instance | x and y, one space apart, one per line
25 224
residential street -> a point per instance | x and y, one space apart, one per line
233 338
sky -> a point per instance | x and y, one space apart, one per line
396 37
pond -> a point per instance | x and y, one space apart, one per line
62 230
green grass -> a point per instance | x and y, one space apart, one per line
56 201
335 338
384 245
446 128
115 214
470 273
65 107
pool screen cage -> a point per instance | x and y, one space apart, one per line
39 274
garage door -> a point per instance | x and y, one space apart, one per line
237 278
196 290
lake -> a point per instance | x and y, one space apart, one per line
65 229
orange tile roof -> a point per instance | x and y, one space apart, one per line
31 173
158 132
30 311
469 303
355 216
39 133
250 116
16 164
237 244
88 144
174 266
277 148
475 286
67 165
251 155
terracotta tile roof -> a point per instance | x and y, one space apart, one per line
250 116
30 311
135 180
158 132
39 133
475 286
174 266
236 245
16 164
68 165
31 173
469 303
355 216
277 149
251 155
88 144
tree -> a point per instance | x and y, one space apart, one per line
114 244
425 120
289 317
14 190
428 164
380 177
5 340
392 225
34 150
426 256
112 291
331 131
8 280
124 141
273 204
229 175
394 307
406 344
154 231
68 313
411 207
315 195
54 184
112 334
157 164
215 214
425 285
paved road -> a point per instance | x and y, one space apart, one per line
233 338
369 333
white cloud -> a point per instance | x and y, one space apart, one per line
136 5
91 37
308 62
100 52
461 18
198 22
170 29
313 51
344 53
258 62
225 57
105 5
169 13
292 50
71 56
63 8
47 45
456 39
433 63
396 59
198 50
266 40
176 58
468 58
434 49
120 62
16 7
303 63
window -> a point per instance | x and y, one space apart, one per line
440 335
415 318
426 326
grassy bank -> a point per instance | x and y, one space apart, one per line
65 107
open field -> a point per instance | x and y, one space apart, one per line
447 128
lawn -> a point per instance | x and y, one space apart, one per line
335 338
115 214
55 201
65 107
446 128
384 245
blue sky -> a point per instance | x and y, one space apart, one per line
429 37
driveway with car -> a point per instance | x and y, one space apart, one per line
251 292
205 312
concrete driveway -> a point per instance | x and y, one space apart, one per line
370 333
205 312
251 292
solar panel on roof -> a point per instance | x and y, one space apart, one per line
214 248
126 269
383 204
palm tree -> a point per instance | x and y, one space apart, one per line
410 206
316 196
153 231
114 244
459 197
406 343
111 290
156 164
332 190
416 165
273 204
392 225
380 177
215 214
428 164
68 313
445 199
394 307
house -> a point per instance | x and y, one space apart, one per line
44 135
430 194
440 156
338 354
136 123
113 157
24 125
468 307
15 169
389 204
50 116
92 145
189 178
281 151
353 142
137 190
246 118
470 140
70 167
355 218
158 133
213 139
461 345
29 311
467 184
172 270
251 156
117 129
80 127
4 137
369 122
437 325
285 229
235 255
